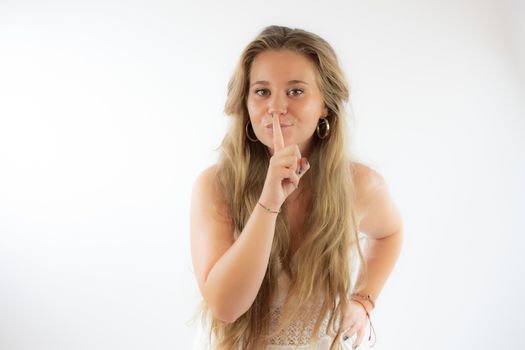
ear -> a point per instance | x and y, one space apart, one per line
325 111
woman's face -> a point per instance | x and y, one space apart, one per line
284 82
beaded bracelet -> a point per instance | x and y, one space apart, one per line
370 321
357 297
364 297
271 211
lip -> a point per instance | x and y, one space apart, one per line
270 126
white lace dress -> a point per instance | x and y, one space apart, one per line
289 339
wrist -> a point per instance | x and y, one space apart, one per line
365 300
367 307
268 205
268 209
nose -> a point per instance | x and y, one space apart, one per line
277 105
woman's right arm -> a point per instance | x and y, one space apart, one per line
229 273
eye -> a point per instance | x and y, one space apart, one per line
257 92
292 92
296 92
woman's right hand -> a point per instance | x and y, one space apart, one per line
283 174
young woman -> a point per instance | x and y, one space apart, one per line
275 223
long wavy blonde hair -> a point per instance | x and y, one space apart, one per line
326 255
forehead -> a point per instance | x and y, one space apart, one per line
282 66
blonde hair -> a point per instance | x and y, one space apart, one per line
328 250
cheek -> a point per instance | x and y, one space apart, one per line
312 106
255 109
251 105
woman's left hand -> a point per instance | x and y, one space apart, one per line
354 322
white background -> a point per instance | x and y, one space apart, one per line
110 109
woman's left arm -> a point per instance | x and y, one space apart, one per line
382 225
380 220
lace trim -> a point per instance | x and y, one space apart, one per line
292 335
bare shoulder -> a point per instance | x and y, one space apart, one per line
377 214
206 187
207 173
211 230
365 177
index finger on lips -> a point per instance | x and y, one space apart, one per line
278 141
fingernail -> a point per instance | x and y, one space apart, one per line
306 167
304 164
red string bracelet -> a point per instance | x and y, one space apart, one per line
370 321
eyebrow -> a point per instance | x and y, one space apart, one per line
264 82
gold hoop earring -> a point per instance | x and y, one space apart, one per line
327 130
248 134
